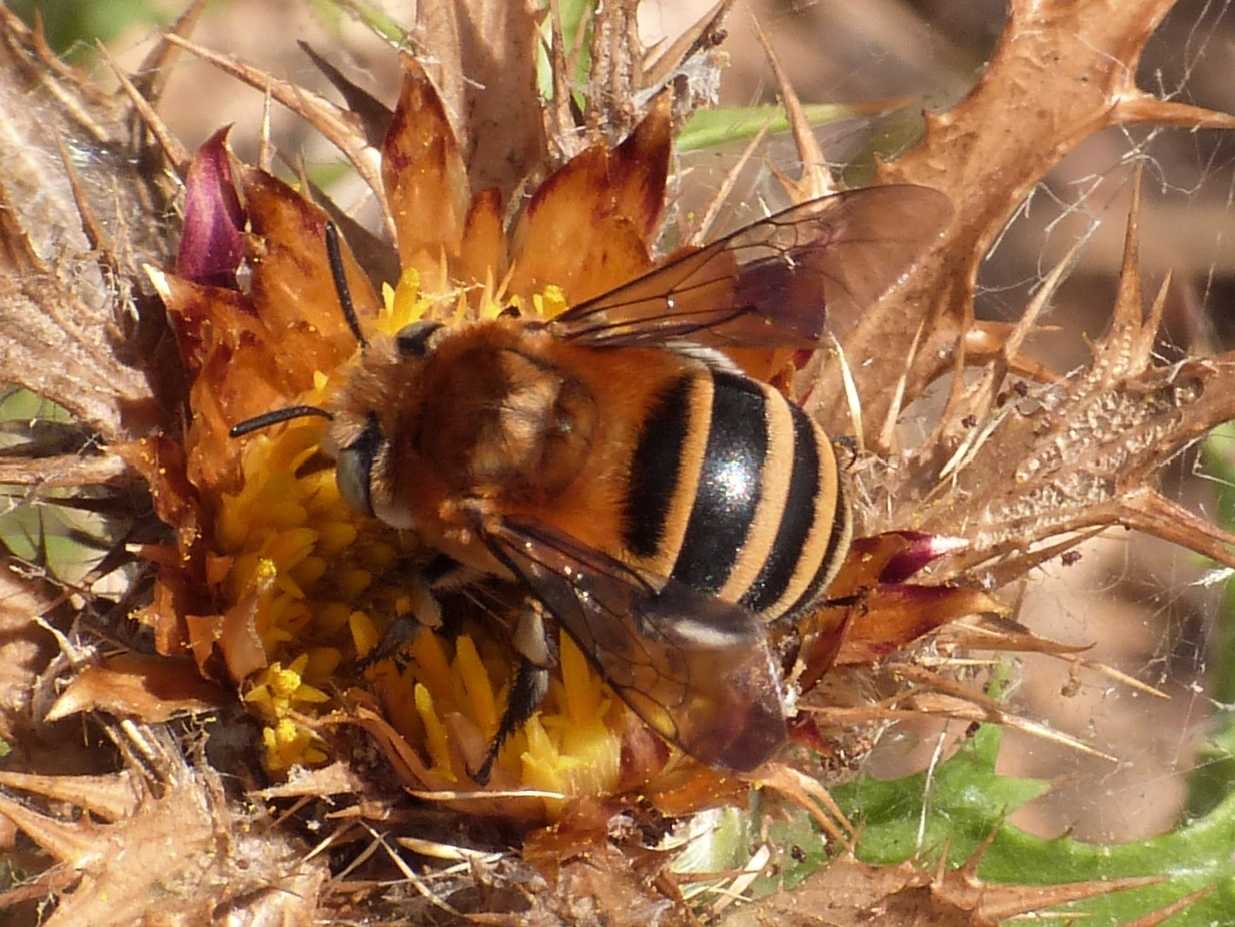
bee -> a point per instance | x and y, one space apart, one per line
656 502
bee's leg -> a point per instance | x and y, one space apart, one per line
426 613
530 685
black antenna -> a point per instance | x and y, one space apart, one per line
266 419
340 283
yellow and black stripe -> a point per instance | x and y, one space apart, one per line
735 492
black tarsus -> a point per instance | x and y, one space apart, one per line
273 417
337 271
529 689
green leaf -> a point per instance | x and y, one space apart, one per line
1213 777
964 802
714 841
575 15
72 27
957 805
707 128
67 538
18 404
372 16
1209 783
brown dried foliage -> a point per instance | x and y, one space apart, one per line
78 330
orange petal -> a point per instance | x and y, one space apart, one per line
161 463
204 633
162 615
694 788
900 613
823 634
562 240
483 253
425 178
239 641
206 318
568 229
583 829
771 365
235 363
639 167
293 292
233 388
615 254
150 688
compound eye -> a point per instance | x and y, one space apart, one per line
355 467
413 340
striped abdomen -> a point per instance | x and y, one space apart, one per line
736 492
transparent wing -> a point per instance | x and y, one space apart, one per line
771 284
697 670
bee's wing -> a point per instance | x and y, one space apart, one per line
769 284
696 669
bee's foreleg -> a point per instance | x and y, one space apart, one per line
530 685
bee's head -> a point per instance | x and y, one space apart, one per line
365 412
376 404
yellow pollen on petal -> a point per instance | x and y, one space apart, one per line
365 634
405 305
582 687
287 745
283 682
435 732
550 301
432 665
330 617
266 572
352 582
322 661
334 536
476 682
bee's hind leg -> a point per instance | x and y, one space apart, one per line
530 685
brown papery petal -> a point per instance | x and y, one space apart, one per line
293 292
204 633
425 179
164 616
899 614
150 688
161 462
206 317
693 788
234 386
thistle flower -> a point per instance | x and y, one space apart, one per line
268 584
